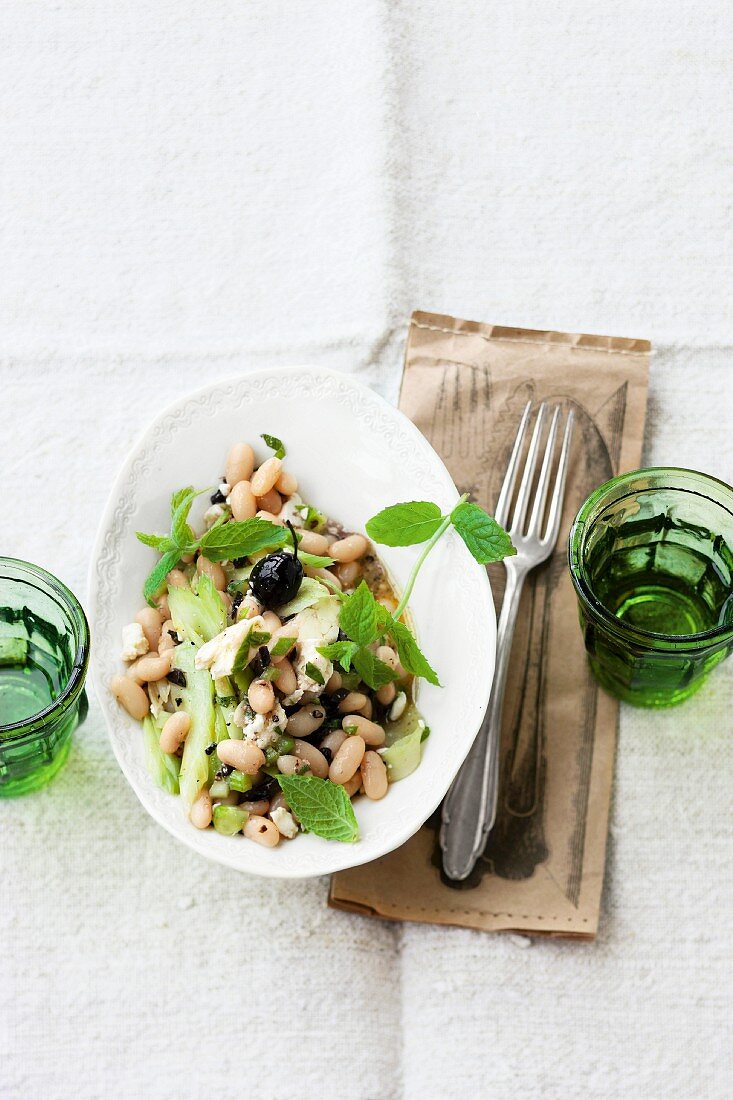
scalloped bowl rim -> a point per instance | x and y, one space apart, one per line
325 857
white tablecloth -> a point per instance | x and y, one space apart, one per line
190 190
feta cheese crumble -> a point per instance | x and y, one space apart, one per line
134 642
285 822
212 514
316 626
219 654
263 729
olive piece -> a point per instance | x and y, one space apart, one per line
276 579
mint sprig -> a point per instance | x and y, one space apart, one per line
362 620
221 541
180 541
365 621
322 807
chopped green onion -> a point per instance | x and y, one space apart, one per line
314 673
282 646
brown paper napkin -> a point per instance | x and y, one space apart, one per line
465 385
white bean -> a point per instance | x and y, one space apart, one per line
306 720
271 502
131 696
374 776
151 621
201 811
347 759
313 757
261 830
349 549
313 543
264 479
245 756
261 696
287 483
370 732
240 463
153 666
174 731
242 501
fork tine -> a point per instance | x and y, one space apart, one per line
543 482
558 493
501 513
520 508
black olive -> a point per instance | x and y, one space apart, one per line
217 497
266 789
261 661
239 563
276 579
177 676
327 753
210 748
236 602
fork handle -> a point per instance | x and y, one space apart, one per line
469 809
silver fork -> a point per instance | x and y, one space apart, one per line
469 810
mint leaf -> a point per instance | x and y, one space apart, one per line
180 496
240 539
275 445
282 646
156 578
358 617
342 652
405 524
322 807
180 530
161 543
411 656
373 672
483 536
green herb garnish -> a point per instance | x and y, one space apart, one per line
313 520
340 652
315 673
315 561
253 639
242 538
282 646
322 807
274 444
223 540
364 620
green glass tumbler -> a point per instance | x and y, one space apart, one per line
44 654
651 559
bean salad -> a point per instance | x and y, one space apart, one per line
271 666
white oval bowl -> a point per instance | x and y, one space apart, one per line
353 454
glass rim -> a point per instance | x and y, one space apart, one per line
75 683
585 592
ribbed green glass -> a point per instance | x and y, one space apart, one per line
651 558
44 653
